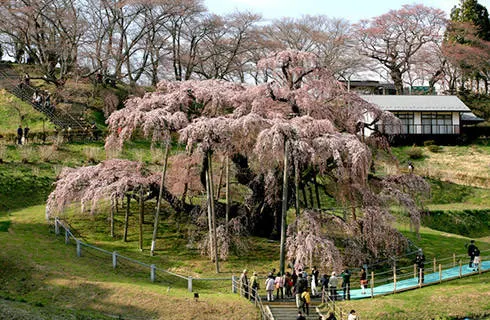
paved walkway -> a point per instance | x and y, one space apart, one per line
412 283
285 309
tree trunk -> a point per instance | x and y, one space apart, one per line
317 192
310 189
142 213
305 198
284 210
220 181
396 76
159 200
126 219
213 215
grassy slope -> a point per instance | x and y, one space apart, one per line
10 118
37 269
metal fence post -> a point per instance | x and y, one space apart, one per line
233 284
152 273
79 249
114 259
189 284
67 236
56 226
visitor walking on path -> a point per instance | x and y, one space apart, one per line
244 284
254 283
332 286
306 299
363 280
269 287
301 285
420 262
471 252
20 133
279 284
288 284
346 284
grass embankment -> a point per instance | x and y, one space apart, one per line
462 165
46 280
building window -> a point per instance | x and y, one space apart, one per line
437 123
407 120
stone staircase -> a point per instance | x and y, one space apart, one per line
285 309
288 311
9 79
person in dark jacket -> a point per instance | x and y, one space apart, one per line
471 252
346 283
20 133
420 262
300 287
26 133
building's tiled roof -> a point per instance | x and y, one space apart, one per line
471 117
417 103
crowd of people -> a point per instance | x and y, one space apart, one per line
300 285
303 286
43 99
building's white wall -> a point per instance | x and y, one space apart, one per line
417 121
455 118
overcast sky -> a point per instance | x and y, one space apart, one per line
352 10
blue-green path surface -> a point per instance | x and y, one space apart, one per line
430 278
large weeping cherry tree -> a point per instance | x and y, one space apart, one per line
300 128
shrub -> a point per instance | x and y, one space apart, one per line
415 153
47 153
93 154
27 153
3 152
429 143
434 148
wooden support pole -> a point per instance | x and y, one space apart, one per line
126 218
434 266
67 236
141 220
414 270
114 259
454 259
394 279
440 273
372 284
460 268
189 284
